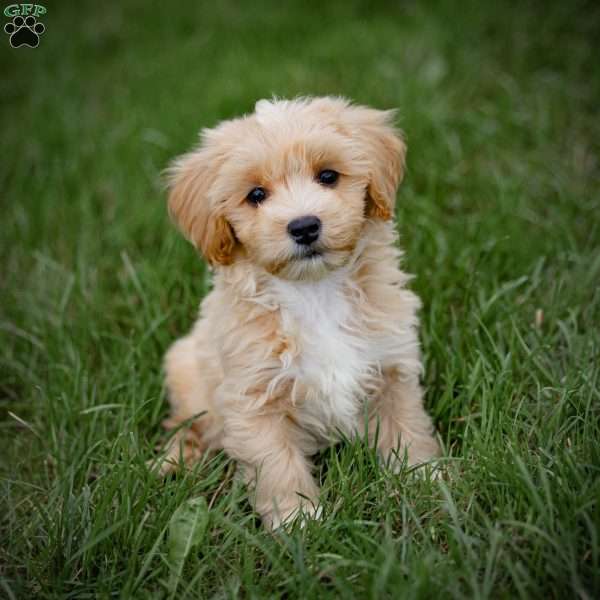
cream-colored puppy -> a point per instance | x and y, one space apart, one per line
309 327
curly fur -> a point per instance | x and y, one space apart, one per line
288 352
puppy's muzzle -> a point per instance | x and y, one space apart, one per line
305 230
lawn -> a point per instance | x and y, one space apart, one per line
500 219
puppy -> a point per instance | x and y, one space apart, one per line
309 331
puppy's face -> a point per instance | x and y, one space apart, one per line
290 186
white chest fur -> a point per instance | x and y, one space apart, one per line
332 357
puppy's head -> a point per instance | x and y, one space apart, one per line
289 187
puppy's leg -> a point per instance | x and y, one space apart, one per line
399 419
192 374
271 451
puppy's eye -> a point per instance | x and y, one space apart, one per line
256 195
328 177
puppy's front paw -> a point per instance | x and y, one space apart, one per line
433 470
411 452
302 512
186 447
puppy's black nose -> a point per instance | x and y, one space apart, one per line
304 230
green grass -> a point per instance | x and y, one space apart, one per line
500 220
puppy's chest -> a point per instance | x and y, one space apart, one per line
332 359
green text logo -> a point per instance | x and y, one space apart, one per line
24 29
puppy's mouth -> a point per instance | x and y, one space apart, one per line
309 254
310 263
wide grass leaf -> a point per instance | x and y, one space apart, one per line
187 530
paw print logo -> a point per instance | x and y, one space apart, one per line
24 32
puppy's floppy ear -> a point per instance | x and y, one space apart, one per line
199 216
386 153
